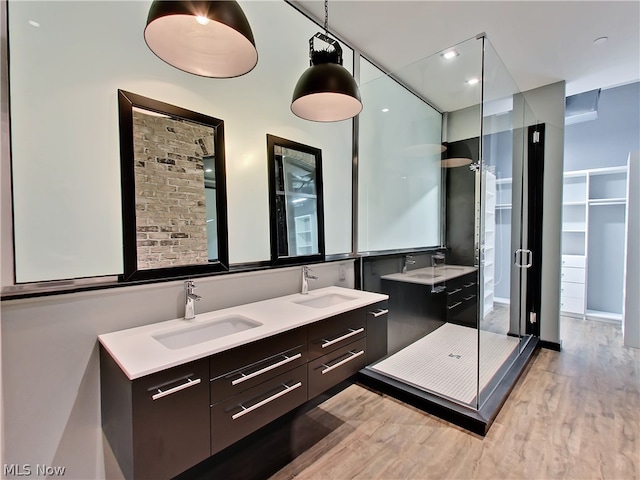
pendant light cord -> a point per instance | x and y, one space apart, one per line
326 17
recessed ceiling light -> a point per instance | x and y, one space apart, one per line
600 40
450 54
202 20
385 110
34 23
473 81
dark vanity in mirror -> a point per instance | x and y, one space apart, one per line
173 190
295 202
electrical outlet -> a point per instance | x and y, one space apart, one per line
342 273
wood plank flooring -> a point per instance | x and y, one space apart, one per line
575 414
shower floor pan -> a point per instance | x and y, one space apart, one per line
445 361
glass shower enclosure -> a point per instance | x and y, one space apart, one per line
442 221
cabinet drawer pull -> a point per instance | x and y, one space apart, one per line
379 313
253 407
342 362
351 333
469 297
244 377
454 305
455 291
163 393
470 284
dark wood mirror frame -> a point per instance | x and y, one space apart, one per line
276 257
132 272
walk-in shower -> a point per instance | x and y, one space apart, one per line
443 213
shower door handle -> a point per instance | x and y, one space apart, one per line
517 258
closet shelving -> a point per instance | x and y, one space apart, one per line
593 243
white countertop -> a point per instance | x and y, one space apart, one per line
138 353
431 275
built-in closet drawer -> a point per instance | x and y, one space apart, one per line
572 305
331 369
573 275
578 261
328 335
245 367
573 290
240 415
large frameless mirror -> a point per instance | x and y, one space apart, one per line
173 190
295 202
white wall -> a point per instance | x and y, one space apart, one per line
51 364
66 177
547 104
631 309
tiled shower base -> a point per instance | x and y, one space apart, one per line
445 361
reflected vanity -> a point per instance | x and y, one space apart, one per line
295 202
173 190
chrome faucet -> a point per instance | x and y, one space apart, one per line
437 259
305 279
407 260
190 299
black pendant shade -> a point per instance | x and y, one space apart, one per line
207 38
326 91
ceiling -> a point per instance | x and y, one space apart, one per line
539 42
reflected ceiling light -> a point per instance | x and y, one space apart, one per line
326 91
385 110
207 38
450 54
33 23
460 156
473 81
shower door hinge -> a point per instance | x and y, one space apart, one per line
533 317
536 137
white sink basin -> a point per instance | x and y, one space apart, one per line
205 331
426 275
324 301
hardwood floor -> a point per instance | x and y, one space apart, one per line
575 414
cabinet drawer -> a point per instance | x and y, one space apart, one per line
243 414
246 366
572 305
332 333
574 290
578 261
573 275
331 369
251 375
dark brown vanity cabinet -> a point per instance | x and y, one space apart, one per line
164 423
462 300
156 425
254 384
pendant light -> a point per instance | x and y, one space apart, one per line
326 91
207 38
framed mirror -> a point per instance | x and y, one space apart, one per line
174 199
295 202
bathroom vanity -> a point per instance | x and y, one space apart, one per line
174 393
424 299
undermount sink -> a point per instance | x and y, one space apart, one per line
323 301
426 275
200 333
